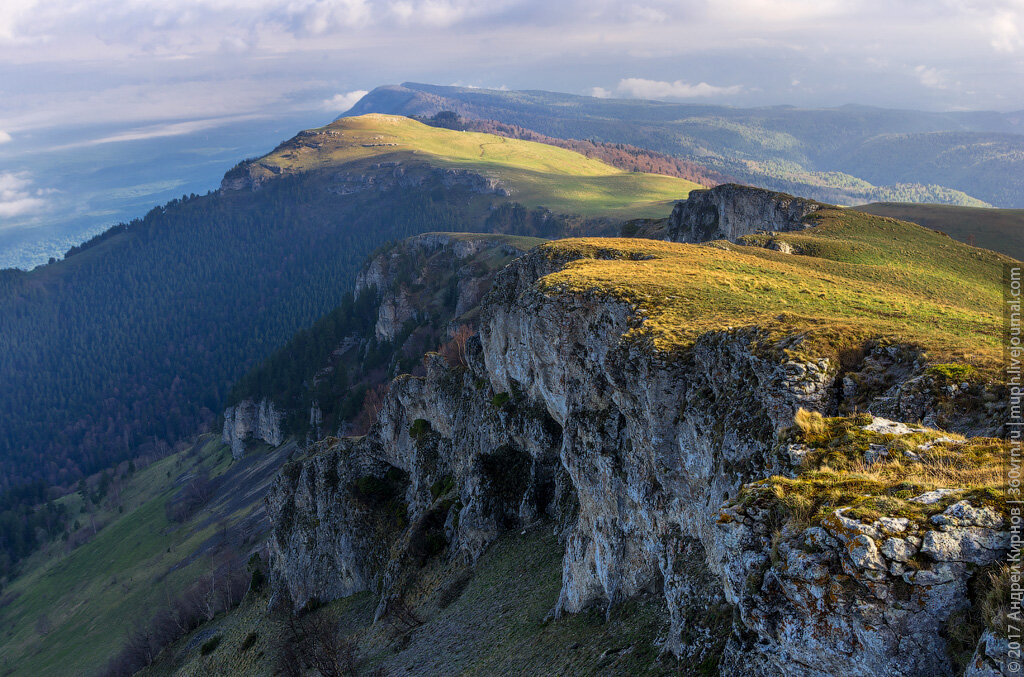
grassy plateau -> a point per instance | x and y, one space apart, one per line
857 276
536 174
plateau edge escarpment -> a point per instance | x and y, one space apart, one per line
808 480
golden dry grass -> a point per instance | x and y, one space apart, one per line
835 473
859 276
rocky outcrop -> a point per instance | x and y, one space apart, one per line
560 410
874 596
992 658
472 466
247 421
325 543
401 272
731 211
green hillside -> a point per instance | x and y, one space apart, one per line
160 316
1000 230
74 608
488 620
536 174
856 276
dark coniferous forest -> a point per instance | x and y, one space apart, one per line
98 361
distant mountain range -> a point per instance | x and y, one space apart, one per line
844 155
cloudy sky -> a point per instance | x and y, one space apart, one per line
82 75
76 61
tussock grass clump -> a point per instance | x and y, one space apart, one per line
811 423
210 645
953 373
994 603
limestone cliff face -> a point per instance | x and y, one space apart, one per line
250 420
731 211
424 288
639 458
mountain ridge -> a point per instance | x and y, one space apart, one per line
811 152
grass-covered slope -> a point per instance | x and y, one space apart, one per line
74 608
536 174
137 335
489 620
1000 230
857 276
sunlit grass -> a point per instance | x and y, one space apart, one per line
858 277
538 174
835 472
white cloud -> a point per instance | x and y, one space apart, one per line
4 136
17 197
640 88
1006 33
320 17
601 93
342 102
156 131
430 12
135 63
931 77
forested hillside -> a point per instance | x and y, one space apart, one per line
135 340
844 155
434 280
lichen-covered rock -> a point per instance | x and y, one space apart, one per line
992 658
966 544
730 211
833 602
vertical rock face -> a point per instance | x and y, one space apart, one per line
731 211
401 272
248 420
651 446
325 541
469 463
639 458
